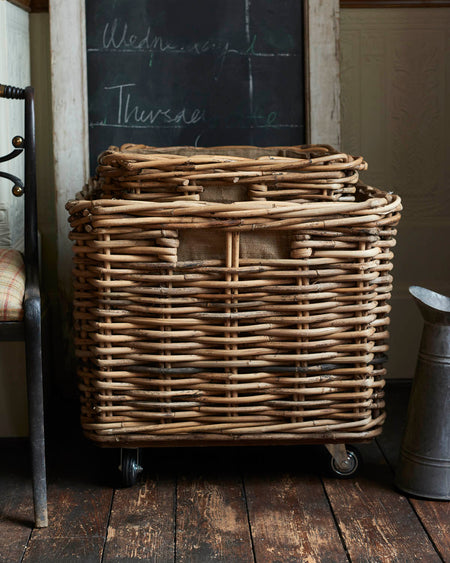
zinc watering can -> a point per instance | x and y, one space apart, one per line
424 465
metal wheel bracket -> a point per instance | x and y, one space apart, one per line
344 462
338 452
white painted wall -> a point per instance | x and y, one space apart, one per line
15 71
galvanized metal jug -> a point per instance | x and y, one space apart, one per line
424 466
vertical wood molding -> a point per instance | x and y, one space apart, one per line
323 72
70 118
40 78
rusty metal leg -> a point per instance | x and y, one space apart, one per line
36 409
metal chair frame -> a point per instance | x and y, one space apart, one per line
29 329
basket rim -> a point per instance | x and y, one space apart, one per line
175 150
373 198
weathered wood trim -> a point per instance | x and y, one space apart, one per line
70 118
322 72
398 4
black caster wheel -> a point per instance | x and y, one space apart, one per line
130 466
348 467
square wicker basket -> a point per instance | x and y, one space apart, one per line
231 295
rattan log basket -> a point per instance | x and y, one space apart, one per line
231 295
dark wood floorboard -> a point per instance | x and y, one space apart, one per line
377 523
212 522
289 512
239 505
80 492
142 523
54 550
434 515
16 512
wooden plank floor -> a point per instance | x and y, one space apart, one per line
264 504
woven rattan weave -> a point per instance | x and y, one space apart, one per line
259 319
309 172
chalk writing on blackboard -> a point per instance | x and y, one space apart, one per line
117 36
208 72
131 115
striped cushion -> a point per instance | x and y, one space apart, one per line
12 285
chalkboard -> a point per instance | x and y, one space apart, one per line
195 72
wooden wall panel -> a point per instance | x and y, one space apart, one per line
395 96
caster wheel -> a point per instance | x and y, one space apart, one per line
130 466
349 466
